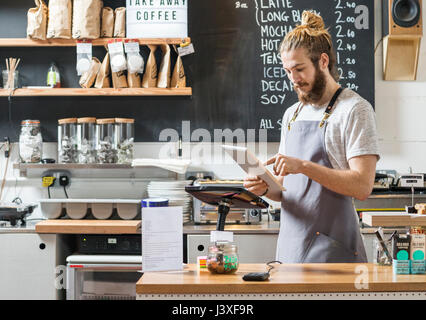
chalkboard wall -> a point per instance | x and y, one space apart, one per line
235 72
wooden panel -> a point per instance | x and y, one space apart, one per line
393 219
89 226
23 42
401 56
286 278
97 92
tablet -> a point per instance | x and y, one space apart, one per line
254 167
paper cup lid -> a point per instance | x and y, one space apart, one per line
155 202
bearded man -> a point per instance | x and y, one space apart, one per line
327 155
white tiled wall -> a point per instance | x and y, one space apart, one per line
401 117
401 111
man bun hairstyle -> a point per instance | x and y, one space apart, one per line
312 36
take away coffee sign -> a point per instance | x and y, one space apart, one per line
157 18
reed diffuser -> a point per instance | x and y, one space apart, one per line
11 67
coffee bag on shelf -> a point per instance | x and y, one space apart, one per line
119 79
107 26
102 79
134 80
164 72
86 21
60 18
88 78
178 77
120 23
37 21
151 72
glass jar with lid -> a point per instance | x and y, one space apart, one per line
67 140
86 140
125 132
106 146
30 142
222 257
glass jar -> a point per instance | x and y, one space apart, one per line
222 257
30 142
86 140
106 146
125 133
67 140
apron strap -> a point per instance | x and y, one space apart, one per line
327 111
330 106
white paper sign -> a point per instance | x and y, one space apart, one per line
157 18
162 239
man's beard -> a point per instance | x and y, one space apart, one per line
317 91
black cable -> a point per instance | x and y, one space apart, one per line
272 267
66 194
48 191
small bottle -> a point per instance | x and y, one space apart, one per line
53 76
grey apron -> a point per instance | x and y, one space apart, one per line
317 224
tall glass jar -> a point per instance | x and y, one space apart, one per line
125 133
222 257
67 140
30 142
86 140
106 146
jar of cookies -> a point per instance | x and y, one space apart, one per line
222 257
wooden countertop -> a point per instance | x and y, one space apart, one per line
69 226
285 278
87 226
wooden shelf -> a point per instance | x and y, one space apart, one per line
393 219
24 42
93 92
65 226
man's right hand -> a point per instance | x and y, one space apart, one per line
255 185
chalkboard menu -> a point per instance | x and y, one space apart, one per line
235 73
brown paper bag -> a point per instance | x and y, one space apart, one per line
86 19
164 72
134 80
37 21
151 73
178 76
119 80
88 78
107 28
120 23
102 79
59 22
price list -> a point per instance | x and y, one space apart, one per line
350 18
348 23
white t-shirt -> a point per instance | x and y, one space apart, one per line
351 128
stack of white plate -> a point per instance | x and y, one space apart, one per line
175 192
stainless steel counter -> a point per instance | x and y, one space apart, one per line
28 228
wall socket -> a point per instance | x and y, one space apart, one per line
62 176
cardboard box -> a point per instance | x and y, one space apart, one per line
417 253
401 254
